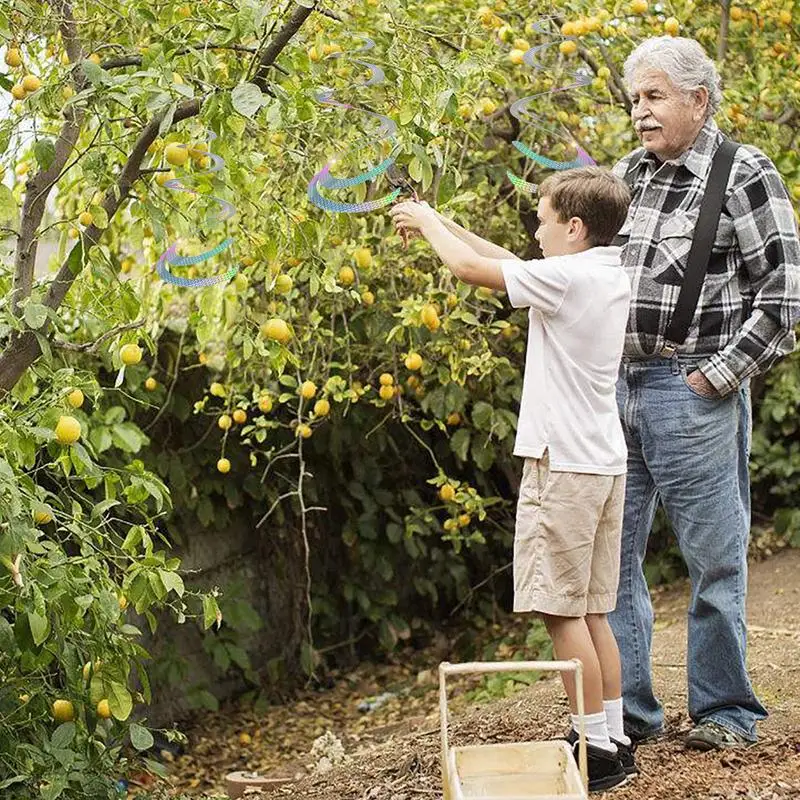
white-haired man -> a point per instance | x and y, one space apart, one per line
685 404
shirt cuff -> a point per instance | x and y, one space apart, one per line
720 375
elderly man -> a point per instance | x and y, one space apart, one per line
685 404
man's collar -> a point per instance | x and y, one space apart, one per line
697 158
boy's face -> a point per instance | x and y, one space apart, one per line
558 238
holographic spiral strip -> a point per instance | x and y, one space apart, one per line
519 109
388 129
170 255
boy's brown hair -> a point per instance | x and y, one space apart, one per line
594 194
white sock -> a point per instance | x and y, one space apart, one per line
596 730
614 718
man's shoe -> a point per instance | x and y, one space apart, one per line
624 751
605 769
708 735
638 738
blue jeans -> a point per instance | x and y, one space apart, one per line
691 453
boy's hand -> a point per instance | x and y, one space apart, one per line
410 216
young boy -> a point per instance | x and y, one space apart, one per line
571 497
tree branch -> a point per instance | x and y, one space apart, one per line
91 347
41 184
271 52
722 44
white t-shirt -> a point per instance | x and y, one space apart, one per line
578 314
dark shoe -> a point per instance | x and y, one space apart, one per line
709 735
647 737
605 769
624 751
626 757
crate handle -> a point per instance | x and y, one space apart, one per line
573 665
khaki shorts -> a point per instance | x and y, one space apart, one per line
567 541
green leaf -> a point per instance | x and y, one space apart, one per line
482 414
141 738
45 152
8 206
459 443
247 98
172 581
15 779
210 611
99 217
39 627
96 75
35 315
63 735
120 701
128 437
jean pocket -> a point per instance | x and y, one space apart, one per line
685 378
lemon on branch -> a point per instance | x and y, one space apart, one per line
176 154
68 430
130 354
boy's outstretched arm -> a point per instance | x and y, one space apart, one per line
483 247
461 259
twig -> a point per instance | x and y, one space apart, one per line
473 589
91 347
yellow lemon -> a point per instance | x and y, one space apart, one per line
568 48
450 524
522 44
413 361
94 58
217 389
30 83
363 257
386 379
487 106
322 408
18 92
224 422
308 389
245 739
13 57
150 384
67 92
75 398
63 711
785 17
447 493
516 56
639 6
464 520
176 154
347 276
736 14
224 466
122 601
672 26
303 430
453 418
386 392
239 416
367 298
130 354
68 430
42 517
163 177
265 404
104 709
430 317
86 218
283 283
276 329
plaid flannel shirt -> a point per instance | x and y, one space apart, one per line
750 300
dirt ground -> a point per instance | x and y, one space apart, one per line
394 751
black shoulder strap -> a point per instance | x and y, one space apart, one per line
702 242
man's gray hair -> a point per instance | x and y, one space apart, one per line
685 63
